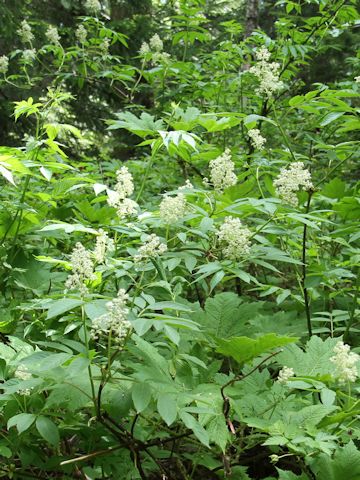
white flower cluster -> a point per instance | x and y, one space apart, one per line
357 79
345 363
52 35
104 47
4 64
290 180
82 268
153 247
172 209
25 33
222 172
22 373
103 246
285 373
234 238
118 198
155 48
93 6
29 55
257 140
81 34
268 73
114 322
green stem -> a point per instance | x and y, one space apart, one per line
303 279
83 318
282 131
353 308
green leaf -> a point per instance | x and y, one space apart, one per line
5 452
314 361
330 117
167 408
287 475
22 421
151 355
61 306
225 315
199 431
141 395
218 431
245 349
345 464
48 430
336 188
143 126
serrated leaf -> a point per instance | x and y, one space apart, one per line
225 315
314 361
345 464
218 431
199 431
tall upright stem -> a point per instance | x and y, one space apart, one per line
303 279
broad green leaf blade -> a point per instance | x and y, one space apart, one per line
48 430
167 408
141 395
245 349
22 421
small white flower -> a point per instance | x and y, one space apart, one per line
4 64
153 247
144 49
268 73
82 268
104 46
285 373
29 55
234 238
123 189
22 373
25 33
172 209
222 171
81 34
357 79
114 322
104 245
160 57
290 180
52 35
126 208
93 6
257 140
345 362
125 185
156 44
155 47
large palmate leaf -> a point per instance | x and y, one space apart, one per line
315 360
225 315
143 126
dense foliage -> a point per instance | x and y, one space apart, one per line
179 257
